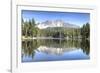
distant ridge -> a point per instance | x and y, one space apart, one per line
55 23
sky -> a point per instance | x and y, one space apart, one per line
68 17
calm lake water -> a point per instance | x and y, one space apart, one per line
54 50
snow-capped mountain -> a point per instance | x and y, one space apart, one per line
55 23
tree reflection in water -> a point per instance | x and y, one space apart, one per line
55 46
85 46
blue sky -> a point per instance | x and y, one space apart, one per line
69 17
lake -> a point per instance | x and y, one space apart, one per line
41 50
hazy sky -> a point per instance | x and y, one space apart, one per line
69 17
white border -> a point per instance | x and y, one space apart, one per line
17 66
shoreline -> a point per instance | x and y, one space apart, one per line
33 38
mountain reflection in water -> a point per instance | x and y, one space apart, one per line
54 50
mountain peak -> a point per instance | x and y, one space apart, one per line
55 23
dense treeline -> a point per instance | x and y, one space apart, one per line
85 31
29 29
